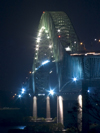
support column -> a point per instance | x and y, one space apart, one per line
48 107
79 117
59 109
85 109
35 107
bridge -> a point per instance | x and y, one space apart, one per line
61 62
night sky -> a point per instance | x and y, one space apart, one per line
19 21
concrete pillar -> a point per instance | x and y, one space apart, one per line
85 115
35 107
59 109
48 107
79 117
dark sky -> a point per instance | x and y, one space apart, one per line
19 21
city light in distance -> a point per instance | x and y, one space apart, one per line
45 62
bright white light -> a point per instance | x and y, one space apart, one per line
48 37
95 39
36 69
74 41
39 34
58 30
50 72
51 92
45 62
37 48
38 39
88 90
50 46
74 79
23 89
43 27
68 49
33 72
46 31
19 95
35 58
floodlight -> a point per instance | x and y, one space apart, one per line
45 62
19 95
51 92
74 79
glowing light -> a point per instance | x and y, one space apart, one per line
68 49
88 90
43 11
37 46
51 92
46 31
74 79
23 89
48 37
95 39
51 56
39 34
74 41
19 95
43 27
50 72
99 40
15 94
38 39
45 62
35 58
30 72
37 49
81 43
58 30
50 46
36 69
59 36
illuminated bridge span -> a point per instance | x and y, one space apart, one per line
56 35
59 60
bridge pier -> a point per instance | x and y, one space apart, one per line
48 107
35 107
59 109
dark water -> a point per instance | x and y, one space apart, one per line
4 129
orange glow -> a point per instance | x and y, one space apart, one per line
43 11
30 72
99 40
81 43
59 36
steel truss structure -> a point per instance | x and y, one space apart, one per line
58 44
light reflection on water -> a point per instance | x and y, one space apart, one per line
5 129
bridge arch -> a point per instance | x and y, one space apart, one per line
55 36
